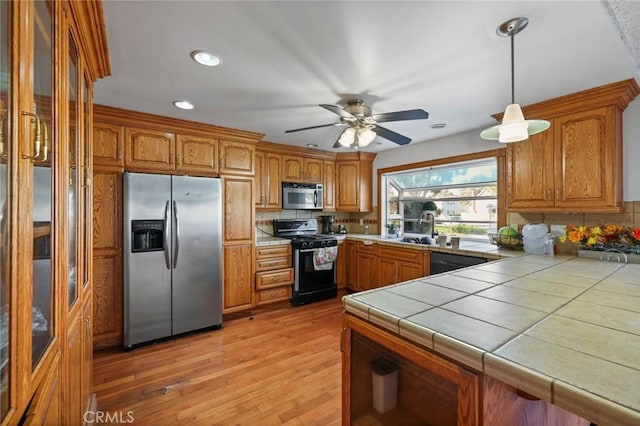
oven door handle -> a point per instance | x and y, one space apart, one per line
307 250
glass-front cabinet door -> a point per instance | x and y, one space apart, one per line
74 170
42 153
6 147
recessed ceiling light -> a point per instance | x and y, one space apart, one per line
439 126
312 145
206 58
183 104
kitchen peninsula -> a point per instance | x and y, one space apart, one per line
523 340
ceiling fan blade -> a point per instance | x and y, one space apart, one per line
391 135
338 110
313 127
411 114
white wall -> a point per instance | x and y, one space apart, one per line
469 142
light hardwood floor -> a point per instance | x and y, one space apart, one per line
281 367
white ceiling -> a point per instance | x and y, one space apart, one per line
283 58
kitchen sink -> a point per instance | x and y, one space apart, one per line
416 240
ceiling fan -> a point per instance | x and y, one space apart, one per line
362 126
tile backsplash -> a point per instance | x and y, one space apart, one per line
264 220
629 216
352 221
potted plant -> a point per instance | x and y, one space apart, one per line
392 229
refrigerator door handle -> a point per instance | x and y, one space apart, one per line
177 228
167 258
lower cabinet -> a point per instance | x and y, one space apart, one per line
429 389
237 288
274 274
379 265
396 265
341 265
46 406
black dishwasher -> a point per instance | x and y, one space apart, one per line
444 262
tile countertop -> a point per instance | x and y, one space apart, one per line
564 329
469 248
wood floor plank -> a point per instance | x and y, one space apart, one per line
279 366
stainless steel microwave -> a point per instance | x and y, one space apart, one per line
302 196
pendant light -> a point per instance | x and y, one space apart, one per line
514 128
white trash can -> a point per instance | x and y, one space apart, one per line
384 385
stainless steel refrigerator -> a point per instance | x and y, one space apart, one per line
172 256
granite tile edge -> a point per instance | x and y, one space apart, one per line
518 376
592 407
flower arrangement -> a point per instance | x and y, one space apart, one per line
625 238
392 227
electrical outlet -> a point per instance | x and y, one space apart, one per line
559 230
361 221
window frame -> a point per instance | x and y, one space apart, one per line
498 154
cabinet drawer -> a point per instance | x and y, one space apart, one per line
411 256
279 294
282 250
271 279
273 263
361 247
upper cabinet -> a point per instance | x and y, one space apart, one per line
237 158
576 165
196 154
354 175
268 181
329 184
108 145
148 149
301 169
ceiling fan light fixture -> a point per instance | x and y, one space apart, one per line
365 136
347 137
514 127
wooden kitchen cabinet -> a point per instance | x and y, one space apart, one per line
149 150
350 274
238 237
301 169
274 274
431 389
329 186
268 181
366 266
196 155
341 265
396 265
107 259
237 158
108 145
51 53
426 263
354 175
576 165
237 281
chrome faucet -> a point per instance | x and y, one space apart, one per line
427 217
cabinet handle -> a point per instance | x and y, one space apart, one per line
342 331
41 137
87 177
3 119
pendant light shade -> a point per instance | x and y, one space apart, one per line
514 128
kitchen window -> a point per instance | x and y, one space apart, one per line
462 195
